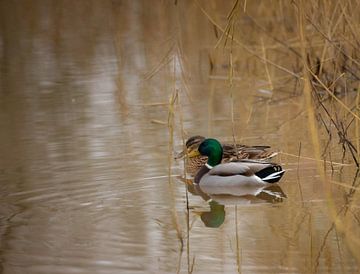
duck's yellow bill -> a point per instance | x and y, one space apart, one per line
193 153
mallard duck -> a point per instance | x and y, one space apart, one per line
242 173
230 153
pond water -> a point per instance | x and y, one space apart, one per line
88 179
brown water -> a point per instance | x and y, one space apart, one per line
85 87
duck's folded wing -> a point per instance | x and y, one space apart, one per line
255 165
230 169
229 146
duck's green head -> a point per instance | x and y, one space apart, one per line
213 149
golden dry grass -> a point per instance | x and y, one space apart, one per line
318 56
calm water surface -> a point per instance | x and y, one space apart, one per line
84 171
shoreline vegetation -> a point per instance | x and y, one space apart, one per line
310 45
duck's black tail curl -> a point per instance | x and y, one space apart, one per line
271 174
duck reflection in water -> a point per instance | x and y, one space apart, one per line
215 217
217 202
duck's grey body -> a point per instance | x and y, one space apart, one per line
244 176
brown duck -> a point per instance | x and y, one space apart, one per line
230 153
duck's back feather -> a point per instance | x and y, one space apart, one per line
229 169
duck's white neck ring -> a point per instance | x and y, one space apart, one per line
208 166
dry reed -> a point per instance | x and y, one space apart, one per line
321 60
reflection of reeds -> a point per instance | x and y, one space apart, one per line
321 58
327 84
237 238
298 175
189 264
311 80
175 107
175 219
357 128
